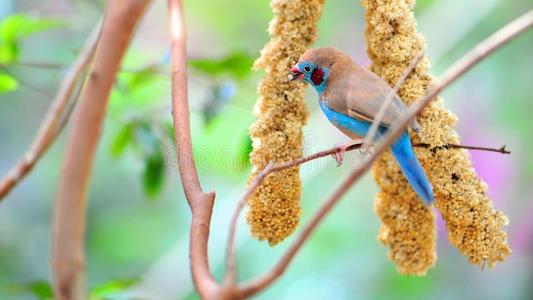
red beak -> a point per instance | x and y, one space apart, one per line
295 73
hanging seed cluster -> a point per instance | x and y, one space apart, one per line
274 208
408 227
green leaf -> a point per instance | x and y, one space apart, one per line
8 52
139 79
142 135
40 289
169 130
16 27
138 91
154 173
247 148
121 140
421 5
107 289
154 164
7 83
237 65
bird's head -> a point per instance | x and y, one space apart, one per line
314 66
306 70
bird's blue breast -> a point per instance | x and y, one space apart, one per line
358 127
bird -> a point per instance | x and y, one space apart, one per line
350 96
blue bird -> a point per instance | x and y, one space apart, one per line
350 96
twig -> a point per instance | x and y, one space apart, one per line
369 139
201 203
483 49
36 89
503 149
52 123
36 65
118 26
158 67
272 168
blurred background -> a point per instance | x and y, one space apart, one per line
137 231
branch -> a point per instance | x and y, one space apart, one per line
118 26
56 116
503 149
201 203
158 67
36 64
483 49
272 168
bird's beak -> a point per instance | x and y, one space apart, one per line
295 73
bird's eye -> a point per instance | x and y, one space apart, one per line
307 68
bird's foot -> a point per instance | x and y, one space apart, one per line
342 148
366 149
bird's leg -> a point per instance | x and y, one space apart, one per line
342 147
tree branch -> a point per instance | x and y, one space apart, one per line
56 116
118 26
503 149
158 67
272 168
201 203
483 49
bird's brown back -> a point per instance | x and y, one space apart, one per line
353 90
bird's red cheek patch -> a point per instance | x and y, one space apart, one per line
317 76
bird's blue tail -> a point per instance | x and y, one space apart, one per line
411 168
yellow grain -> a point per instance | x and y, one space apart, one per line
474 226
274 208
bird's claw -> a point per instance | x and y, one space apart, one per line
339 156
365 150
342 148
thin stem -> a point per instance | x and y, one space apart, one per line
36 65
58 114
272 168
201 203
503 149
483 49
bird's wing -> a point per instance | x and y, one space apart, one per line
361 94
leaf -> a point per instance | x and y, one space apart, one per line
16 27
142 135
423 4
154 173
7 83
121 140
138 79
112 287
169 130
247 149
8 52
40 289
138 91
237 65
154 164
19 26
